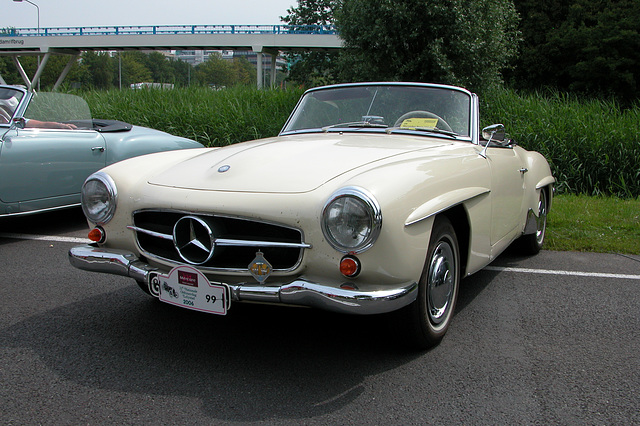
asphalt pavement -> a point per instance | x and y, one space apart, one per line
548 339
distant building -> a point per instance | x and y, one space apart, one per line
195 57
152 86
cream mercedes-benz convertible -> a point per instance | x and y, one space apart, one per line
374 197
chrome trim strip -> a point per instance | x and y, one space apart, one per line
227 242
247 243
475 123
152 233
48 209
299 291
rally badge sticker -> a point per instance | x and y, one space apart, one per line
189 288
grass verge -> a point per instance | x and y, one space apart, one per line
595 224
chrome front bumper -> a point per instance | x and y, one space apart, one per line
297 292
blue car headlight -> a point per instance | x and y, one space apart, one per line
99 198
351 220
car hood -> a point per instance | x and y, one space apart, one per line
288 164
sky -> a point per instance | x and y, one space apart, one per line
91 13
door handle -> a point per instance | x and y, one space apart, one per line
523 170
98 148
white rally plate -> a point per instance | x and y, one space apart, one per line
187 287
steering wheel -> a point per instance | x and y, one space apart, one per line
442 125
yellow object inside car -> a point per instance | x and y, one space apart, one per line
413 123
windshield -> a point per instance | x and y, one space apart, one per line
9 101
381 107
60 107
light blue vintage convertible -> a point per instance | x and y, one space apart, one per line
49 144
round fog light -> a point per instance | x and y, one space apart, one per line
350 266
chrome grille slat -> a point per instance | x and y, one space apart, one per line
236 240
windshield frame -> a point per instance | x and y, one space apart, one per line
22 103
473 120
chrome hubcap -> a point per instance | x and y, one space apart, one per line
542 218
441 282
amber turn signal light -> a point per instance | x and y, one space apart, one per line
350 266
97 235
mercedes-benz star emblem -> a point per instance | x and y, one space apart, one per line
194 240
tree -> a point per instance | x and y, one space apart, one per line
584 46
215 71
134 69
312 68
160 68
459 42
181 71
3 67
100 68
243 71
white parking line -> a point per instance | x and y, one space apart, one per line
571 273
45 238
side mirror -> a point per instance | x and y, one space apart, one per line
19 122
494 133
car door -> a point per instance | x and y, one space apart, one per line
45 168
507 189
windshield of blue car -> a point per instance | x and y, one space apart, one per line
9 101
383 108
58 107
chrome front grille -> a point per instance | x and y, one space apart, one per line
213 242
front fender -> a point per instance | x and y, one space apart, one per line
538 176
141 141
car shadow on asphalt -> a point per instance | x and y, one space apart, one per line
50 223
246 366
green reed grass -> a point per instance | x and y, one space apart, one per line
211 117
593 146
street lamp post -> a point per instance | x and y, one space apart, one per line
38 9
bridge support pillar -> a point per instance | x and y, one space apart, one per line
259 69
274 70
260 51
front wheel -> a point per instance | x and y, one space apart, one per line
532 243
429 316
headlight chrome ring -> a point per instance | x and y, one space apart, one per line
99 197
351 220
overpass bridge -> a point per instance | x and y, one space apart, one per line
72 41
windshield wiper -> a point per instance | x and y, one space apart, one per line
359 124
423 129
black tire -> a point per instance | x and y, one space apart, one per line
531 244
428 317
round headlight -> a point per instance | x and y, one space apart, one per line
351 220
99 197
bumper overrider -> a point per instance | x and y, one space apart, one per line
299 291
